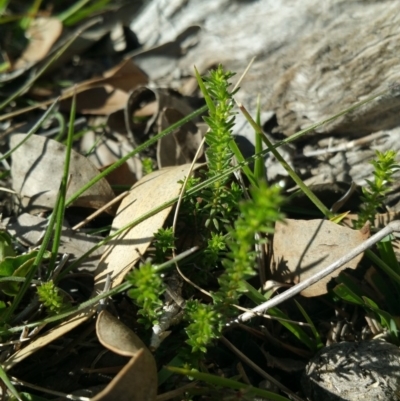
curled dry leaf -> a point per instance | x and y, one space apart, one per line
301 248
37 168
115 336
145 102
133 382
137 380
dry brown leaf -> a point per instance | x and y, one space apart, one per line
106 94
116 337
87 34
37 168
124 251
42 34
137 380
128 385
304 247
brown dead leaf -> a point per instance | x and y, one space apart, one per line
181 146
137 381
82 38
42 34
106 94
301 248
37 168
115 336
133 382
124 251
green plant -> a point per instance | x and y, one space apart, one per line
147 164
388 286
374 192
164 242
257 216
229 225
148 288
51 298
220 199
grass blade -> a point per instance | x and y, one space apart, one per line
63 190
227 383
9 385
259 165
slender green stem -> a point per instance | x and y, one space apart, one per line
239 157
81 307
204 91
259 166
61 120
330 119
385 267
4 378
63 189
31 274
72 10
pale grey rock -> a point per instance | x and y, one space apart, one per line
367 371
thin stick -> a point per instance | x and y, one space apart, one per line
101 210
257 369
